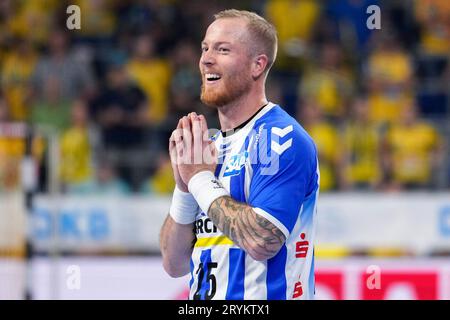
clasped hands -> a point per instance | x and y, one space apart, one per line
191 151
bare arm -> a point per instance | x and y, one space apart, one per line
176 243
255 234
176 240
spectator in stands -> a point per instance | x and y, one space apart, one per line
327 140
7 15
10 152
76 148
412 152
184 89
120 109
186 76
51 112
33 19
361 149
4 109
434 17
349 20
98 22
152 75
329 83
294 21
17 70
185 82
12 148
105 182
162 181
60 71
389 77
433 56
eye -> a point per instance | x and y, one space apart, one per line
204 49
223 50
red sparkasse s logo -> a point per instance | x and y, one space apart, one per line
301 247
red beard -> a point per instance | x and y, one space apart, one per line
231 88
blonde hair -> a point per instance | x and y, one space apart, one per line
262 33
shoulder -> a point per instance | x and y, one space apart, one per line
285 134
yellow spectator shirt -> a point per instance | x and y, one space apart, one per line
412 152
387 109
390 66
153 77
327 141
75 156
16 73
362 143
329 89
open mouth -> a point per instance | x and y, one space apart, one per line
211 77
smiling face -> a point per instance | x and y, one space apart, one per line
225 64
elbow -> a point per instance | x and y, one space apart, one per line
259 253
259 256
174 270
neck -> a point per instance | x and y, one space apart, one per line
240 110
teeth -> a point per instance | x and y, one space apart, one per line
212 76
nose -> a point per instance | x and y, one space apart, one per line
207 58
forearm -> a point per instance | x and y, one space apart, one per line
176 243
253 233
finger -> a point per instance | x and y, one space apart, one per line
212 147
205 133
176 143
197 140
211 153
177 135
203 121
186 123
187 140
186 130
173 152
172 140
192 116
179 152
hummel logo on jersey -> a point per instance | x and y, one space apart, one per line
280 148
282 132
217 184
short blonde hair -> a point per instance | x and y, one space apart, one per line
262 33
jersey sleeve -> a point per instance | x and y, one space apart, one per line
282 180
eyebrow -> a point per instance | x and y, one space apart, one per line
217 43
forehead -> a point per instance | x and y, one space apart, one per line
226 30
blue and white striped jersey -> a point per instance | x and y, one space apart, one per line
271 164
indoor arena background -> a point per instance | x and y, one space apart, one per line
85 117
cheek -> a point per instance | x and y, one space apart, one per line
200 64
238 70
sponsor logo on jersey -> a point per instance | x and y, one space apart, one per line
235 164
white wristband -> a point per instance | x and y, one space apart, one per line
205 188
184 208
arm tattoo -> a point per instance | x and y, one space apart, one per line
250 231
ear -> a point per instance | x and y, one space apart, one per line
259 65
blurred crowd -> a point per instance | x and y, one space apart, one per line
376 102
